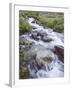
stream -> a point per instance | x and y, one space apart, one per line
45 50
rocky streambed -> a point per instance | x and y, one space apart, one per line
41 52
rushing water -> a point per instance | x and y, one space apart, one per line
54 69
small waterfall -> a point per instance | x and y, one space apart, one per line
49 67
32 72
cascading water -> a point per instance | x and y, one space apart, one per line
45 38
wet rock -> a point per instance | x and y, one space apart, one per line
25 41
34 21
36 48
23 63
34 36
24 73
21 48
47 59
59 50
44 57
34 27
42 33
25 44
39 56
37 22
46 39
39 34
31 56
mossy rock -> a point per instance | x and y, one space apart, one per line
23 56
24 74
24 41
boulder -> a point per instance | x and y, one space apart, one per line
46 39
42 33
59 50
34 21
24 41
44 57
31 56
35 36
40 55
21 48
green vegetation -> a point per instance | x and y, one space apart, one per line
49 19
23 56
25 14
56 23
24 74
24 26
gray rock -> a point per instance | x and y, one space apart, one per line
35 35
46 39
21 48
44 57
34 21
36 48
42 33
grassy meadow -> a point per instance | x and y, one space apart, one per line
48 19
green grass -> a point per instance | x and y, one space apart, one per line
57 24
24 26
59 28
49 19
28 14
46 21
